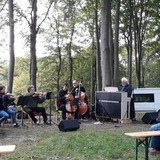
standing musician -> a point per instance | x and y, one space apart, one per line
75 89
5 100
32 100
81 99
126 87
63 97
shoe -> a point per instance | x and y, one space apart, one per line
37 123
153 151
46 123
98 122
16 125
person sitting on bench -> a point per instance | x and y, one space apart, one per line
155 141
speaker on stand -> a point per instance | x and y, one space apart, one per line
92 113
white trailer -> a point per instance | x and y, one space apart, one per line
146 99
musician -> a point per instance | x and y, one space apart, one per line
32 100
79 93
5 100
75 88
62 100
62 97
126 87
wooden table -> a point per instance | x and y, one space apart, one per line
142 138
7 149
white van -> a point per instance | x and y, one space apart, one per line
146 99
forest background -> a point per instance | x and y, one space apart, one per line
98 42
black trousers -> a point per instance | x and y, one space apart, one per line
132 109
36 109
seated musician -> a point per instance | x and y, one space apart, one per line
63 97
6 99
32 100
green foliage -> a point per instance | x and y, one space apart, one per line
3 73
21 78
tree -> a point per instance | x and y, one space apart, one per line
34 29
98 56
116 44
105 50
11 45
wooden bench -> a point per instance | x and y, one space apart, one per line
7 149
142 138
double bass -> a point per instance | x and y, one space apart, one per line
83 107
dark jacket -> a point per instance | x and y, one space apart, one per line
32 101
126 88
75 90
4 101
61 97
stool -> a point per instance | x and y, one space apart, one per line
11 121
58 112
29 118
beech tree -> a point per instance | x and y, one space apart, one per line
105 50
34 29
11 47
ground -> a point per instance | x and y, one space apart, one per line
9 134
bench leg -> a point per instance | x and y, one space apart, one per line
145 143
146 148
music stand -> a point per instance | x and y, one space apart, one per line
49 97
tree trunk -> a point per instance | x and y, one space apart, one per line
98 58
11 46
116 44
130 42
33 37
105 51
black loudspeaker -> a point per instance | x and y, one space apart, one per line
68 125
150 118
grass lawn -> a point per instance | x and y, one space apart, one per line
83 144
90 142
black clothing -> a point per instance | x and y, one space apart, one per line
61 96
75 90
32 106
62 104
31 111
4 101
126 88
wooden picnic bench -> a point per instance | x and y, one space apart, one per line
7 149
142 138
